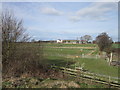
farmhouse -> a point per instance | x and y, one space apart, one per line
59 41
71 41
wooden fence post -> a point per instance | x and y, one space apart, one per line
83 55
109 82
111 57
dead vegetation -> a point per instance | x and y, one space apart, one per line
18 57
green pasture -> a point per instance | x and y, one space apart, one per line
58 56
98 66
116 45
69 45
76 45
67 51
66 57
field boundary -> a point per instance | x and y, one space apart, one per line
76 56
72 47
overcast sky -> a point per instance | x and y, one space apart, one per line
67 20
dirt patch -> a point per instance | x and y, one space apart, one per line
60 84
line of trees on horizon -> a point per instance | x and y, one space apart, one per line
83 40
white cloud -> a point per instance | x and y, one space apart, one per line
74 18
51 11
97 11
20 13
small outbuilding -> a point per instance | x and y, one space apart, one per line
59 41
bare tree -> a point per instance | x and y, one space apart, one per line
104 43
17 57
33 40
12 31
82 40
87 38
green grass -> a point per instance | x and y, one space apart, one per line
65 51
69 45
116 45
76 45
58 57
98 66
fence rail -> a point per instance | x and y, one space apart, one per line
103 79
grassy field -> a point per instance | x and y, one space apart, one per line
63 55
70 45
71 57
116 45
